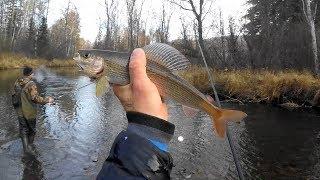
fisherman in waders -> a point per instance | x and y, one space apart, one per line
24 99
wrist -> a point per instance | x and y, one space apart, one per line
150 121
161 116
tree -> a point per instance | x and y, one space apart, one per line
162 32
13 26
18 23
310 18
185 45
189 5
130 12
2 25
98 41
84 44
23 29
235 52
111 24
222 37
30 43
65 34
43 47
275 35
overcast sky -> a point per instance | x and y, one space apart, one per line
91 10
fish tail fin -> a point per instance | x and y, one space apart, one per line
220 117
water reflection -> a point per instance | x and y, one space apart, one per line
7 80
8 121
32 168
278 142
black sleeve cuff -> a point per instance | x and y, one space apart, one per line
151 121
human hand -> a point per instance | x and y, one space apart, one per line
141 95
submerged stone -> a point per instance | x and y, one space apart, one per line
290 106
316 99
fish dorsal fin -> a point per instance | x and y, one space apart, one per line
166 56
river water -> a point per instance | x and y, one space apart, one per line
75 135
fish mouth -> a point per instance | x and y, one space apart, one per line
98 66
77 59
100 71
80 67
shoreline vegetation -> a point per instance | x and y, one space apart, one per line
289 88
15 61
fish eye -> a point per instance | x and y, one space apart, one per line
86 55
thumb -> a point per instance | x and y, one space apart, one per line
137 66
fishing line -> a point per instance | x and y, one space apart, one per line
54 103
230 140
77 89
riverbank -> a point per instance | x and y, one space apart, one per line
245 86
290 88
13 61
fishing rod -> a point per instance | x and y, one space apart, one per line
230 140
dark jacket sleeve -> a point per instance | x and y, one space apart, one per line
141 151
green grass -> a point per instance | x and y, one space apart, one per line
12 61
257 86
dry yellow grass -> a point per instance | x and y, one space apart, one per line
242 84
257 86
11 61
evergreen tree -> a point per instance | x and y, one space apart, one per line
30 46
276 34
43 39
98 42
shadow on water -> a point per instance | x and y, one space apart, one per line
280 143
74 136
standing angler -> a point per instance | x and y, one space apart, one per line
24 99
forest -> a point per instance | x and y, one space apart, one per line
276 34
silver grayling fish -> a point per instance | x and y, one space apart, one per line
163 62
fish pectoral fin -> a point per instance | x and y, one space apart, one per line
102 86
222 116
189 111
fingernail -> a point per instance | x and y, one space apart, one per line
136 53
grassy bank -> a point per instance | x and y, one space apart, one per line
258 86
11 61
238 85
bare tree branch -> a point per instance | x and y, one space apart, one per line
201 7
204 16
304 12
194 10
182 7
315 12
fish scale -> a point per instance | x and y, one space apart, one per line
162 63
